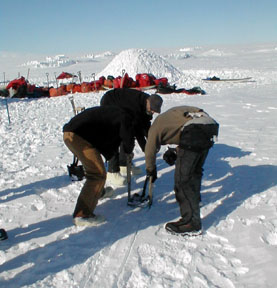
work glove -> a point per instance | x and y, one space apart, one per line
152 173
170 156
130 156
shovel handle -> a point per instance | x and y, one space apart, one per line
150 192
129 164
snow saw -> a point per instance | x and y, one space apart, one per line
139 200
142 200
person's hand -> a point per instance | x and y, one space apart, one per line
152 173
130 156
170 156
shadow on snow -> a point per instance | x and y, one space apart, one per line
240 183
34 188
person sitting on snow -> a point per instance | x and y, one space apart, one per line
193 131
142 106
88 135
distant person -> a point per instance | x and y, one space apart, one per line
141 106
193 130
94 132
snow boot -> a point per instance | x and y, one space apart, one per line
116 179
90 221
107 192
182 228
3 234
134 170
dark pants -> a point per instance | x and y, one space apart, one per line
188 176
95 173
119 159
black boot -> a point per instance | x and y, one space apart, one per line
3 234
184 228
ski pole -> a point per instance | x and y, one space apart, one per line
129 163
8 111
122 79
28 74
144 187
75 159
73 105
56 79
80 77
93 75
150 192
47 74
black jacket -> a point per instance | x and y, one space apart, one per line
104 128
134 102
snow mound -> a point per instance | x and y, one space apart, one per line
135 61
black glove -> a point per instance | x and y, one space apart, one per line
130 156
170 156
152 173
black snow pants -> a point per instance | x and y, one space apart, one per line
119 159
188 176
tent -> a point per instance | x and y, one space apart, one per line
65 75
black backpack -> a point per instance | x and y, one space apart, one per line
198 137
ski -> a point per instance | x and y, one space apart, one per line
144 88
136 88
129 167
216 79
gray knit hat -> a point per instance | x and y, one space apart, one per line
156 102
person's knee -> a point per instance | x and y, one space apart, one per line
99 176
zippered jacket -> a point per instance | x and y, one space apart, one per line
167 128
104 128
134 102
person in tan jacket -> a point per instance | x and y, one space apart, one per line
193 131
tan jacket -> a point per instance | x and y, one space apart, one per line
166 130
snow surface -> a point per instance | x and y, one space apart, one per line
239 193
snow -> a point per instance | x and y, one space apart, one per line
239 245
136 61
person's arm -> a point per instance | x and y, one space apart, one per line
152 146
127 134
142 131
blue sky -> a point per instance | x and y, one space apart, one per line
67 26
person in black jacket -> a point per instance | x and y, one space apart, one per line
96 131
141 106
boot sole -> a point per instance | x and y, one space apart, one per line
185 234
83 223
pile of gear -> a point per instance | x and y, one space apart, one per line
21 88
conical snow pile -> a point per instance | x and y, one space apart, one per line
135 61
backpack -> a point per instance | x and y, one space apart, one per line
86 87
144 80
199 133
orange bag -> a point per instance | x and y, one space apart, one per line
76 88
86 87
54 92
69 87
